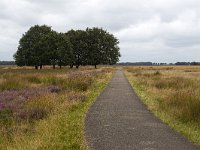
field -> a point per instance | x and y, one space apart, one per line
45 109
172 93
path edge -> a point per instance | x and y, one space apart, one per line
86 137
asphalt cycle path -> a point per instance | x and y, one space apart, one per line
118 120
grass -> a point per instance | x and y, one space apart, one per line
48 113
12 84
172 94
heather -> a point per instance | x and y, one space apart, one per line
50 106
172 93
22 95
16 101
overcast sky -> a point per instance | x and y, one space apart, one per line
148 30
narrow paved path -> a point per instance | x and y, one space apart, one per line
119 121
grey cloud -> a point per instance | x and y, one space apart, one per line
148 30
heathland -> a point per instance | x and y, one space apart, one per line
172 93
45 109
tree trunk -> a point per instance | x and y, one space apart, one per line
54 66
60 63
40 66
71 66
77 66
95 66
36 67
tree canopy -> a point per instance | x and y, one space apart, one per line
40 45
102 47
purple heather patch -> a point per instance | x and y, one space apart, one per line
86 72
1 106
14 100
13 97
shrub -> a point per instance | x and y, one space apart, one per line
6 118
1 106
157 73
53 80
76 96
37 107
23 95
79 83
33 79
36 113
39 100
49 80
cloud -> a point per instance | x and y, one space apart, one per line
148 30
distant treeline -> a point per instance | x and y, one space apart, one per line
129 63
135 64
187 63
157 64
7 63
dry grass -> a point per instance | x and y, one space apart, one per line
45 109
172 93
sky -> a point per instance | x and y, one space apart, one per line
148 30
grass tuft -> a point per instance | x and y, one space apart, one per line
12 84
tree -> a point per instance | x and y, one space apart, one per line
110 50
58 50
50 42
65 53
194 63
79 46
102 47
40 45
31 49
20 57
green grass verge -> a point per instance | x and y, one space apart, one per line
190 130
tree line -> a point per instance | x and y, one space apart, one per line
7 63
41 45
188 63
157 64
